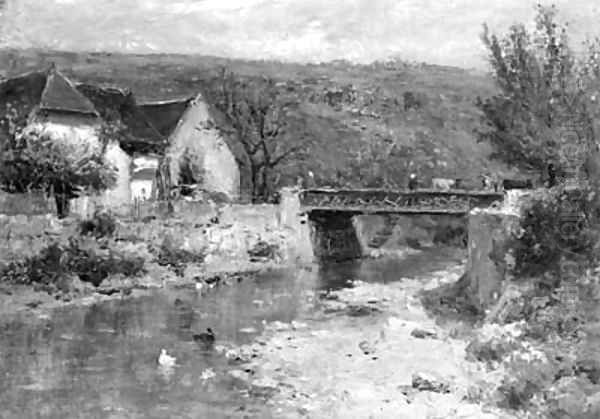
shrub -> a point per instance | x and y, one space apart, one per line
56 262
451 236
411 101
263 250
102 224
176 258
527 380
556 227
493 350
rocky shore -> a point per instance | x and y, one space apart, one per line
371 351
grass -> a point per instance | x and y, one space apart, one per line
435 137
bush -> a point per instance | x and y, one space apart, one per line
527 380
451 236
559 226
57 262
263 250
102 224
177 259
490 351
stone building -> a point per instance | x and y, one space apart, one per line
200 150
162 146
49 103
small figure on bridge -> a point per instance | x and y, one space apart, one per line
413 182
490 183
311 180
551 175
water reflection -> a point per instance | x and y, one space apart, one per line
337 276
101 361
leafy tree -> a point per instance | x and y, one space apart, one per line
34 161
260 118
542 103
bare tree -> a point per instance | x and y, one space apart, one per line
261 119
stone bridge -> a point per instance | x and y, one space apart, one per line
329 213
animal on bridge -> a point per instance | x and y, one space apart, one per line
413 182
490 183
443 184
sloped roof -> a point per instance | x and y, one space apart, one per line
165 115
50 90
144 174
21 93
28 85
116 104
61 95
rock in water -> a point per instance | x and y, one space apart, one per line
166 360
427 382
207 338
422 334
366 347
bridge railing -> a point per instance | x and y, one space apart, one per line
420 200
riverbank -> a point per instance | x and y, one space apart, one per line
371 350
18 299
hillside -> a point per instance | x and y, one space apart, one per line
356 112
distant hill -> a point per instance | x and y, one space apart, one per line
356 112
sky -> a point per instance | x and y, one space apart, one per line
444 32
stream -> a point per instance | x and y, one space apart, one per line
100 361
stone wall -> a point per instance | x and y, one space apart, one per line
334 236
26 204
227 242
25 235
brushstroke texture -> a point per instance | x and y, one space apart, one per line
434 31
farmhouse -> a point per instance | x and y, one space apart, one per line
201 152
162 148
49 103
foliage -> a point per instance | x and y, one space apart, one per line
527 380
493 350
411 101
190 172
57 261
557 227
102 224
176 258
260 117
451 235
543 100
370 166
36 161
262 250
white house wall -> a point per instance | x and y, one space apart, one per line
141 189
79 139
145 162
197 135
119 196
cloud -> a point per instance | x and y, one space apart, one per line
441 32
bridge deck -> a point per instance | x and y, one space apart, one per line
378 201
367 210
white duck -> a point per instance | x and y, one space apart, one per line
166 360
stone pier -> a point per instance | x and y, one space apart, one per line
299 248
488 265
